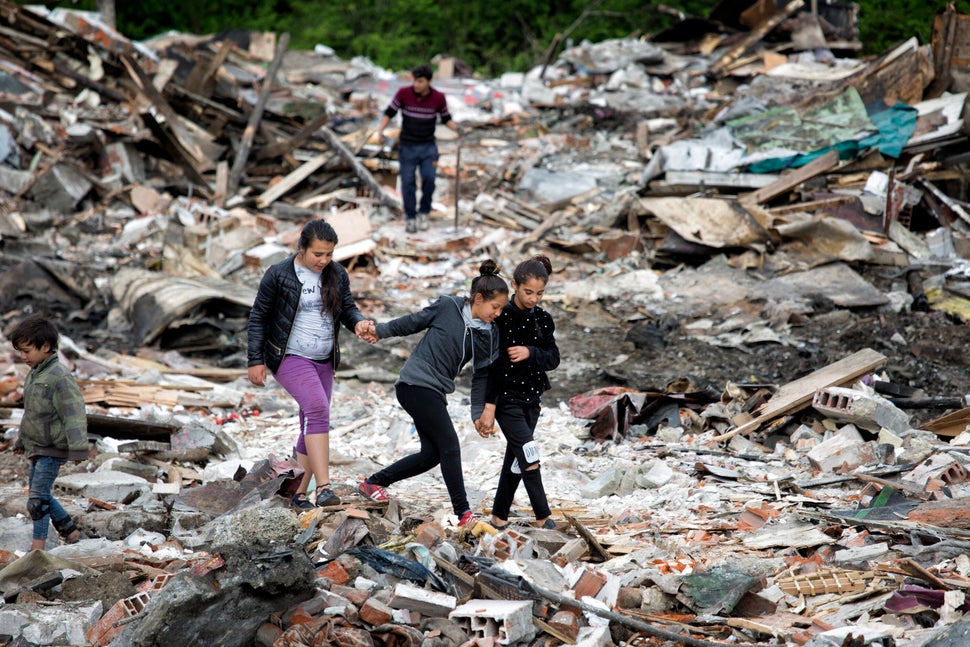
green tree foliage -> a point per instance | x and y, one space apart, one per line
492 37
884 23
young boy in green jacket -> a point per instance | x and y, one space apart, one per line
53 429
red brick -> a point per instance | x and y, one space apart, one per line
355 595
104 631
429 534
589 584
375 612
334 572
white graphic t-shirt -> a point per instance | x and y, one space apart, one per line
312 334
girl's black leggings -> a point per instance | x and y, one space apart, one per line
439 444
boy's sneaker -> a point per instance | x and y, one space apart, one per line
410 226
423 221
301 501
373 492
326 497
467 519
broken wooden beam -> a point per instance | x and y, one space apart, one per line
755 35
799 393
594 543
791 180
279 189
249 133
365 176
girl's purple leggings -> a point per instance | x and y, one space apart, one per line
310 382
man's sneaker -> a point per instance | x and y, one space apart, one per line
325 496
548 524
301 501
467 519
373 492
423 221
410 226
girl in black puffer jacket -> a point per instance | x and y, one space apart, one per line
293 330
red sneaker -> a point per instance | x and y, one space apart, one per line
373 492
467 519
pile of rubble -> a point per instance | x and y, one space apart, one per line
146 186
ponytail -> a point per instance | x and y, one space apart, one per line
488 283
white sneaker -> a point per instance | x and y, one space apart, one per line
410 226
423 221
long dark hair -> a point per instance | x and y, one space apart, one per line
488 283
537 267
329 292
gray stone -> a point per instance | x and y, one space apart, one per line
106 485
62 624
226 606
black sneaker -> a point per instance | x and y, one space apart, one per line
301 501
326 497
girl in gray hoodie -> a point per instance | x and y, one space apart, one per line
459 331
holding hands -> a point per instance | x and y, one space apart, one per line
367 330
485 425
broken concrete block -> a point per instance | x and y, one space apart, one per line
866 410
657 476
42 624
603 485
61 188
509 622
843 451
566 623
594 637
937 471
106 485
252 585
571 552
424 601
654 600
13 181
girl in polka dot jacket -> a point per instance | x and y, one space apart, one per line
516 382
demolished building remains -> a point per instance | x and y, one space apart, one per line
730 183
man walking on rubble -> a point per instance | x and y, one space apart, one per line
420 105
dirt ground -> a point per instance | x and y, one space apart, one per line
924 351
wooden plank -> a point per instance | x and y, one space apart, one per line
727 180
951 425
201 75
789 181
296 176
361 171
813 205
799 393
277 149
